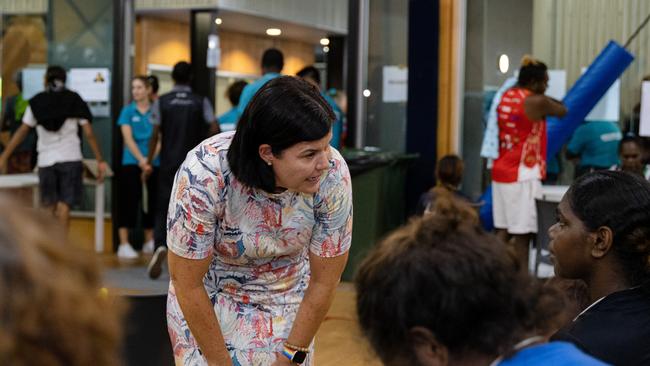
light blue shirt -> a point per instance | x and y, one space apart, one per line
337 126
141 130
249 91
228 120
552 353
597 143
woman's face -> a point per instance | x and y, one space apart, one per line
139 90
569 246
301 166
630 157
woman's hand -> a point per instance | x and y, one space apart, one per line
281 360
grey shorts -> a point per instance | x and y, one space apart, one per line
61 182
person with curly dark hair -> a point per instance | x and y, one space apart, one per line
52 308
441 291
602 237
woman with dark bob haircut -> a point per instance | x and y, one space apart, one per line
441 291
602 237
259 229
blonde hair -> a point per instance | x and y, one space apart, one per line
52 309
528 60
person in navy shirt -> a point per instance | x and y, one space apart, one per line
136 133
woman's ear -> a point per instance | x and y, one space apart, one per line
427 349
602 241
266 153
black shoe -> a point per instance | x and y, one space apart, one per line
155 266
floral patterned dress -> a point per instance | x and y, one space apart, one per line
259 244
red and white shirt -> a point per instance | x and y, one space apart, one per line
522 142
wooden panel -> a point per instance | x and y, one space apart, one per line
448 77
166 42
82 230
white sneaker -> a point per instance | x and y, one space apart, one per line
147 247
126 251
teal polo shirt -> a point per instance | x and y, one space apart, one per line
141 129
596 142
250 90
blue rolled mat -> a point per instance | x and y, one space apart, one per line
585 94
579 100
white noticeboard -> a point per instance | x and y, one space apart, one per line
556 84
33 81
609 106
395 84
644 124
92 84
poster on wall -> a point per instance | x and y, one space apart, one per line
608 107
90 83
644 123
395 84
556 84
33 81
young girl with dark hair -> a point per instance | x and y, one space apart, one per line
259 229
603 238
441 291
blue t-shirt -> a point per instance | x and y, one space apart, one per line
597 143
552 353
228 120
337 127
141 129
250 90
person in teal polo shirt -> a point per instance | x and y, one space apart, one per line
311 75
272 64
228 121
136 132
595 143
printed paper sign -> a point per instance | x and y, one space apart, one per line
92 84
395 84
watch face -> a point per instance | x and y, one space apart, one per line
299 357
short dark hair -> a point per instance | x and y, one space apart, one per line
531 71
450 170
182 73
285 111
154 83
273 60
234 91
629 138
442 272
55 72
620 201
310 72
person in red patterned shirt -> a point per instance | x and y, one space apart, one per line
518 171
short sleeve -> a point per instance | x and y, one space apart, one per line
124 118
28 117
196 206
576 144
332 233
154 118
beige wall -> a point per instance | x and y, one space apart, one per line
568 34
165 42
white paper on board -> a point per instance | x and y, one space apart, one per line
92 84
33 82
644 124
556 84
395 84
609 106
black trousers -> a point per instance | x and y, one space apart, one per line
130 204
165 185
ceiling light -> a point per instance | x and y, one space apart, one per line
504 63
218 21
273 31
324 41
326 49
366 93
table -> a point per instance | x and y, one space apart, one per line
30 180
